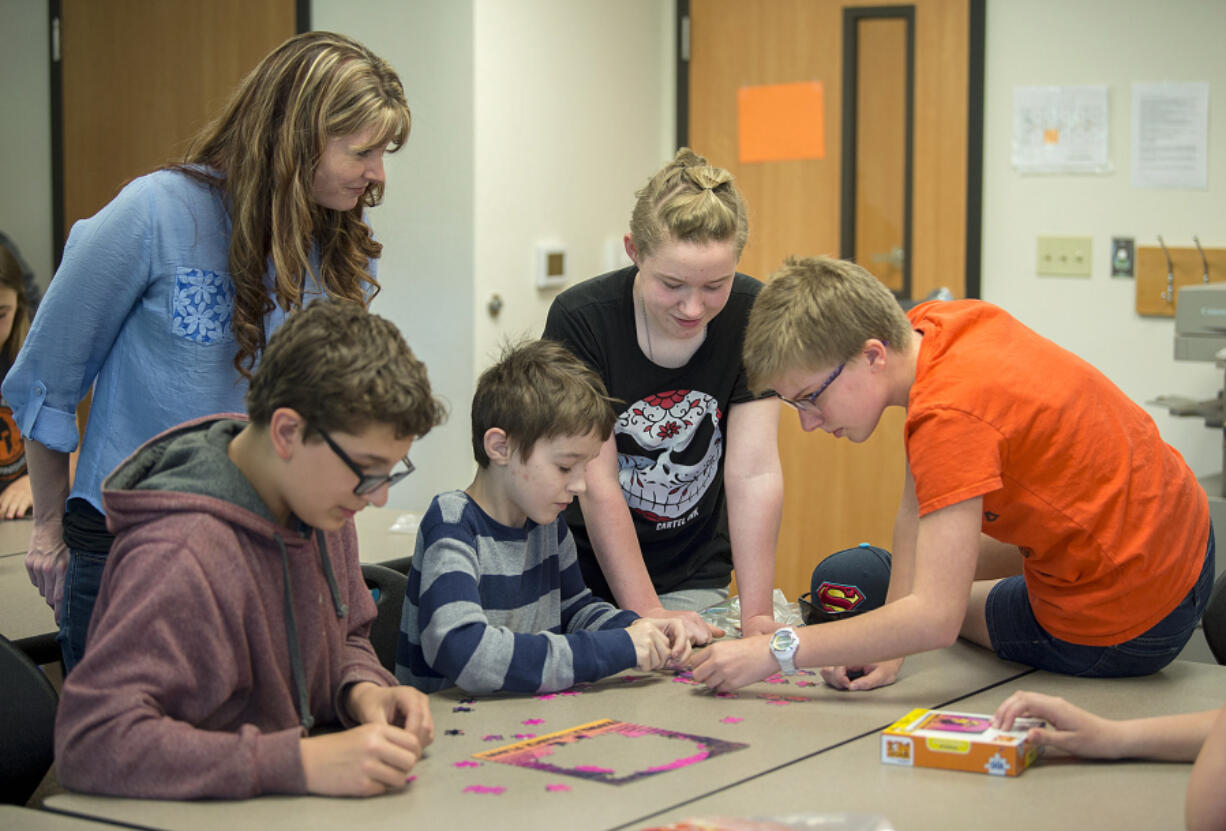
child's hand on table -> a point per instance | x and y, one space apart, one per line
1070 728
867 677
731 664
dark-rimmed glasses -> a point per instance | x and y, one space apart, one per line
808 403
367 482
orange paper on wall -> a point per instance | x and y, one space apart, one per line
778 122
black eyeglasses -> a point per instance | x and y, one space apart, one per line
367 482
808 403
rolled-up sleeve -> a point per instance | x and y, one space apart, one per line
104 272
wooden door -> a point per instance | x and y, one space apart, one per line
137 78
838 494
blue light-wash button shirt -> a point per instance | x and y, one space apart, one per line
141 309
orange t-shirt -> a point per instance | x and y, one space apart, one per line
1110 520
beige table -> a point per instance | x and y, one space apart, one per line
28 819
377 543
1058 793
15 536
777 734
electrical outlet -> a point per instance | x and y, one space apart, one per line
1065 256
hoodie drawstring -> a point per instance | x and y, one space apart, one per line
295 652
326 562
302 698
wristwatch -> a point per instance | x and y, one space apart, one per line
783 646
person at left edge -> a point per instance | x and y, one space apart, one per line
165 298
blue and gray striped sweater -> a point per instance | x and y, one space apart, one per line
489 607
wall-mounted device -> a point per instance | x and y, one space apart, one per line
550 269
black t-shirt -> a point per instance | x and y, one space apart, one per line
670 430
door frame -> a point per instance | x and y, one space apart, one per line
974 127
302 15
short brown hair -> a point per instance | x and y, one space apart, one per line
539 390
816 312
689 200
343 369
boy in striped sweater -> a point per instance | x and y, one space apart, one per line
495 597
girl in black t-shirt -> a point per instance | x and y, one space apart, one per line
690 483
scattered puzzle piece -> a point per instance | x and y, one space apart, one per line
454 732
465 763
525 735
732 719
492 737
493 789
461 709
557 787
533 721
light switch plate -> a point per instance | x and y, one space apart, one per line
1065 256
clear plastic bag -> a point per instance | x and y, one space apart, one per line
727 615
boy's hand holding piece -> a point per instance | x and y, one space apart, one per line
697 630
651 645
364 761
401 706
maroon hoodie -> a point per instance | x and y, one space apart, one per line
187 685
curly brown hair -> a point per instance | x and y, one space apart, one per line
262 152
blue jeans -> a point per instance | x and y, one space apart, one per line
81 584
1017 636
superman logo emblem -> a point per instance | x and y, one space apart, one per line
839 597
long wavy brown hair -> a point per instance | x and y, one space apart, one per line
262 151
12 277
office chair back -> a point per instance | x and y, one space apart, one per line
1214 620
27 724
388 585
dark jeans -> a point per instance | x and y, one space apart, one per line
1017 636
80 591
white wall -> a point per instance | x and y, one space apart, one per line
574 111
1113 42
426 220
25 131
532 119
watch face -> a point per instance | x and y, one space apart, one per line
783 639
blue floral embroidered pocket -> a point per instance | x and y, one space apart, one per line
203 305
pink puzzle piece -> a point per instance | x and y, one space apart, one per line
732 719
533 721
557 787
465 763
492 789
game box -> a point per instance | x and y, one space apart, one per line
958 741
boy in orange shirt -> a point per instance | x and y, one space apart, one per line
1042 515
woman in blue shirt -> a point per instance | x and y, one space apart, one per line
165 298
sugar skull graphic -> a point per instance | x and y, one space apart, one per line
669 446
